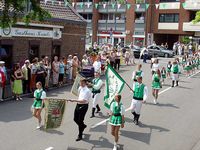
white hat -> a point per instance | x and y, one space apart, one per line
27 61
2 62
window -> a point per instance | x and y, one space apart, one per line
33 52
168 18
169 0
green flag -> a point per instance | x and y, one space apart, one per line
163 5
128 6
96 5
114 86
147 6
81 5
183 5
113 5
55 109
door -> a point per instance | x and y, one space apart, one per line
33 52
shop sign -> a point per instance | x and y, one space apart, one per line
22 32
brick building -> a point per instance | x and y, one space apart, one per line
113 22
139 21
171 20
61 35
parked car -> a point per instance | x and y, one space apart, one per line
156 50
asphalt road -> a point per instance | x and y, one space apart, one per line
173 124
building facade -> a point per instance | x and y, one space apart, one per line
139 22
61 35
113 22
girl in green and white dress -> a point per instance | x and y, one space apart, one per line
156 85
163 74
117 111
38 104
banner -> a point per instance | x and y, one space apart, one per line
54 111
114 85
75 86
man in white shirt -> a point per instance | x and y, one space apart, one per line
97 65
81 107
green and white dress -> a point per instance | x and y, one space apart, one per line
156 81
118 111
39 95
163 74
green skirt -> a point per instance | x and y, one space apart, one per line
17 87
156 85
164 76
168 70
188 68
116 120
37 104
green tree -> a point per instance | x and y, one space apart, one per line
25 10
197 17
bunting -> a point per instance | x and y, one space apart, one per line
128 6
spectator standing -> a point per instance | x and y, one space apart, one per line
41 74
166 45
17 86
47 66
27 75
190 49
127 57
61 71
75 65
97 65
34 67
55 69
70 68
2 80
145 55
112 59
117 60
85 62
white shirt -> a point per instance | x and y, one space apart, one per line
97 66
145 92
155 67
84 94
43 96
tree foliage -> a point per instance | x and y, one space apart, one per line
197 17
25 10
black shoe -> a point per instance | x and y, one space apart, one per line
93 111
79 138
98 108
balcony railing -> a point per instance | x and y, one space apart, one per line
116 25
86 7
139 20
192 5
109 7
189 26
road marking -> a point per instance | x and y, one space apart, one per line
49 148
161 92
165 90
104 121
194 74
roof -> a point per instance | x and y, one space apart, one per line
59 10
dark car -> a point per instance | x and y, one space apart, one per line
156 50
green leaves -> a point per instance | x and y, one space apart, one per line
25 10
197 18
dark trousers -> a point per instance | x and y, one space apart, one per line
112 63
79 115
117 64
145 58
26 86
